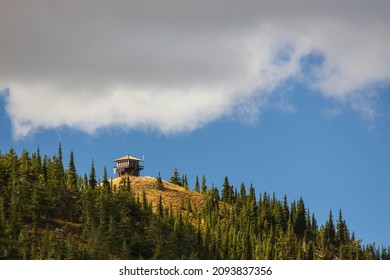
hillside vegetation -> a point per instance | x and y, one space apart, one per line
48 211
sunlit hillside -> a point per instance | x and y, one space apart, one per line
173 196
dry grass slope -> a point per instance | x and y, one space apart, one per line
172 196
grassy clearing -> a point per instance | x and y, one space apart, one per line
172 196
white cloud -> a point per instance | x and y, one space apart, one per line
177 65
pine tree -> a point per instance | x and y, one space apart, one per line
159 183
184 181
92 176
286 213
60 152
197 186
160 208
44 168
342 231
227 191
24 188
5 242
105 183
300 219
252 205
72 173
308 235
36 165
85 181
175 178
59 158
58 168
329 238
41 200
204 187
189 206
242 191
330 229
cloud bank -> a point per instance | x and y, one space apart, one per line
177 65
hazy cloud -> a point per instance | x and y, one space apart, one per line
176 65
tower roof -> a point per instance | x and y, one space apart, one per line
127 157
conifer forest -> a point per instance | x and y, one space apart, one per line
49 211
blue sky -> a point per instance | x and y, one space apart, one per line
287 96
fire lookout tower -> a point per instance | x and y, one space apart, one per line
128 165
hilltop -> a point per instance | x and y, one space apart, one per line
173 195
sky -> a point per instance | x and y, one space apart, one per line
292 96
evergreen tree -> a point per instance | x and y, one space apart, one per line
175 178
242 191
330 229
204 187
286 213
342 230
5 242
92 176
329 238
85 181
58 174
308 235
189 206
197 186
72 173
252 205
41 201
58 164
227 191
300 219
60 154
36 165
44 168
160 208
184 181
105 183
159 183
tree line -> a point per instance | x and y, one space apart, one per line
49 211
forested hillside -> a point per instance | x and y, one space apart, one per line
48 211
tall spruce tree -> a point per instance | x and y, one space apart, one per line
300 219
60 162
105 183
197 186
252 205
58 166
242 191
203 187
342 230
175 178
92 176
72 173
159 182
227 191
330 232
184 181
